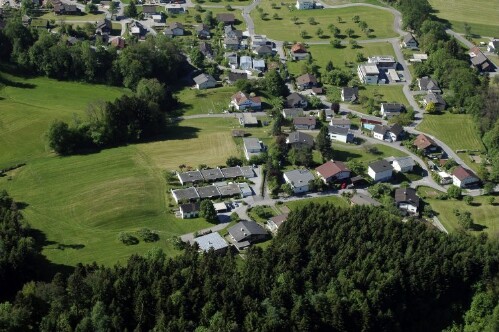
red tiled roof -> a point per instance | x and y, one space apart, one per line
462 173
298 48
331 168
423 141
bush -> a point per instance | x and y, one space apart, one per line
147 235
454 192
468 200
127 238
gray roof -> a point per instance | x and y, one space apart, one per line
409 37
243 229
294 99
231 41
380 129
299 177
434 98
392 107
212 240
190 207
278 220
247 171
185 194
299 137
428 83
149 9
232 172
338 130
405 161
292 112
203 78
396 129
202 27
252 143
229 189
340 122
264 49
212 174
237 76
361 199
406 195
192 176
205 48
348 92
380 166
208 192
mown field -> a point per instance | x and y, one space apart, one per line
80 18
188 18
205 101
283 28
481 15
336 200
347 152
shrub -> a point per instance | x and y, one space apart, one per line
454 192
147 235
127 238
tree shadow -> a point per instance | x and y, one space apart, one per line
345 155
15 84
478 227
70 246
22 205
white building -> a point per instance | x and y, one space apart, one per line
407 200
368 74
304 4
403 164
380 170
463 177
205 81
299 180
252 147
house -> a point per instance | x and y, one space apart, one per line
420 57
380 170
403 164
263 51
480 61
65 9
409 41
274 223
248 120
252 147
392 76
383 61
329 114
298 52
189 210
103 27
306 81
304 4
190 177
428 84
425 144
368 74
212 174
205 81
445 178
185 195
395 132
148 11
463 177
407 200
158 18
245 63
203 31
316 91
213 241
226 18
242 101
350 94
177 29
137 29
231 43
258 40
493 46
206 49
221 207
369 124
380 132
340 134
290 113
436 99
231 32
234 77
208 192
299 180
174 8
245 233
259 64
363 199
333 171
389 110
118 42
295 100
300 139
305 122
228 190
233 59
340 122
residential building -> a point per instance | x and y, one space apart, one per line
137 29
296 100
436 99
396 132
190 177
463 177
389 110
363 199
246 233
306 81
158 18
212 174
148 11
409 41
233 59
208 192
383 61
407 200
263 50
299 180
242 101
206 49
221 207
305 123
445 178
248 120
403 164
103 27
205 81
259 64
274 223
380 132
340 122
493 46
234 77
350 94
425 144
118 42
368 74
61 8
258 40
231 43
189 210
252 147
245 63
300 139
380 170
340 134
174 8
304 4
185 195
226 18
203 31
213 241
480 61
299 52
333 171
290 113
428 84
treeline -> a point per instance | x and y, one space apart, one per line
328 269
40 52
128 119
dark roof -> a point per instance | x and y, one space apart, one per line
191 176
278 220
205 48
190 207
176 25
237 76
306 79
232 172
226 17
202 27
292 112
299 137
434 98
186 194
428 83
212 174
298 48
229 189
392 107
380 129
243 229
338 130
409 37
350 93
294 99
406 195
422 142
380 166
331 168
264 49
305 120
247 171
208 192
396 129
462 173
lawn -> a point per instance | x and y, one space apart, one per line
340 57
188 18
345 2
28 106
70 18
83 202
232 3
196 101
483 214
456 130
283 28
336 200
383 93
481 15
347 152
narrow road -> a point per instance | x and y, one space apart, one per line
460 38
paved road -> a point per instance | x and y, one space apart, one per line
460 38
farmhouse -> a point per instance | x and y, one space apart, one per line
333 171
342 123
368 74
205 81
407 200
350 94
409 41
463 177
380 170
425 144
340 134
389 110
436 99
299 180
242 101
245 233
304 4
226 18
290 113
274 223
428 84
298 52
403 164
305 122
248 120
296 100
189 210
299 139
213 241
252 147
306 81
185 195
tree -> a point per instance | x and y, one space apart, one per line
287 189
467 31
465 220
380 189
113 7
336 43
294 19
314 102
323 142
329 66
131 10
335 107
207 211
431 108
491 200
356 18
353 44
228 7
153 91
274 84
275 16
339 19
233 161
454 192
319 33
301 156
198 18
349 32
197 57
311 21
91 8
304 34
468 200
322 115
276 126
60 138
360 57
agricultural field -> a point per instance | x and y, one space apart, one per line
341 57
483 213
456 130
282 27
481 15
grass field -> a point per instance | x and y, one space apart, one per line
28 106
188 18
456 130
347 152
68 18
283 28
205 101
336 200
232 3
322 54
345 2
481 15
384 93
485 216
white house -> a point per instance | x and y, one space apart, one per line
389 110
189 210
242 101
246 62
342 123
380 170
445 178
304 4
379 132
274 223
407 200
368 74
299 180
493 46
403 164
205 81
340 134
463 177
252 147
409 41
333 171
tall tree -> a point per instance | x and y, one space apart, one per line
323 142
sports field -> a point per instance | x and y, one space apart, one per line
481 15
283 28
